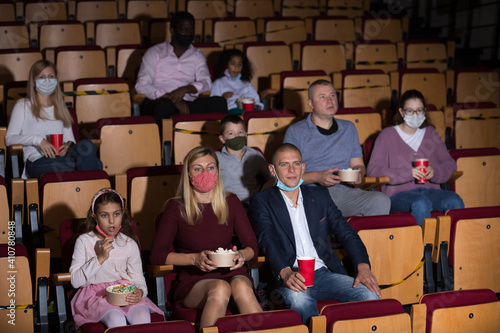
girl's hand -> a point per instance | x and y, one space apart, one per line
48 149
203 263
228 94
417 173
63 150
102 249
135 297
430 172
238 258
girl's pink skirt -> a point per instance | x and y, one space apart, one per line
89 303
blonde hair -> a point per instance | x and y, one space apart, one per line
190 209
60 111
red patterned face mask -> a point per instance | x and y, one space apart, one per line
204 182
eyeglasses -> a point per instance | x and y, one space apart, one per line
409 112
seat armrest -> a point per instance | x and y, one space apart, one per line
159 270
60 279
317 324
418 318
455 175
256 262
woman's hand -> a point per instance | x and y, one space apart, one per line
48 149
228 94
203 263
430 172
417 173
102 249
239 258
63 150
135 297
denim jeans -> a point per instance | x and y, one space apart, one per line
82 156
327 285
421 201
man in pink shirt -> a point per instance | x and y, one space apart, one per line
174 73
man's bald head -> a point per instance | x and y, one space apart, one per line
282 148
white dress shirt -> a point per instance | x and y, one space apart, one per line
303 241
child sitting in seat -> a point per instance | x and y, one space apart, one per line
244 170
233 73
106 254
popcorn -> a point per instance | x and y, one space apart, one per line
221 250
121 288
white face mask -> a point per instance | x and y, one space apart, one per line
414 120
46 86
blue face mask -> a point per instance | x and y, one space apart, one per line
283 187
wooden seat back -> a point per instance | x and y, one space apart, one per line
63 33
96 10
75 63
15 65
477 128
90 108
300 8
334 29
328 57
149 189
367 124
124 146
267 59
119 32
267 133
376 56
233 31
480 182
45 11
286 30
14 36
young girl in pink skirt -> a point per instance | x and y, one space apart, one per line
107 253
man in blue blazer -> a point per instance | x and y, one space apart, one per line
293 221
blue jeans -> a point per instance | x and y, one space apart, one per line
327 285
421 201
82 156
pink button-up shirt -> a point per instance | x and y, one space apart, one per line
162 71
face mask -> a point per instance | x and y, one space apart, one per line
228 75
105 234
236 143
46 86
414 120
184 40
204 182
283 187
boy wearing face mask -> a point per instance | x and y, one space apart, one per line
42 113
173 74
243 169
395 152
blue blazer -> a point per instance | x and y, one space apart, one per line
273 228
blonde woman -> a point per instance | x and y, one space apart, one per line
202 218
41 114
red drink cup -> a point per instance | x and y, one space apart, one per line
306 269
248 104
56 140
423 163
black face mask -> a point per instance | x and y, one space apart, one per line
184 40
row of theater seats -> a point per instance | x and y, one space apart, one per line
84 10
381 80
127 142
154 30
462 243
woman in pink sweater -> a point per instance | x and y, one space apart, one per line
395 152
